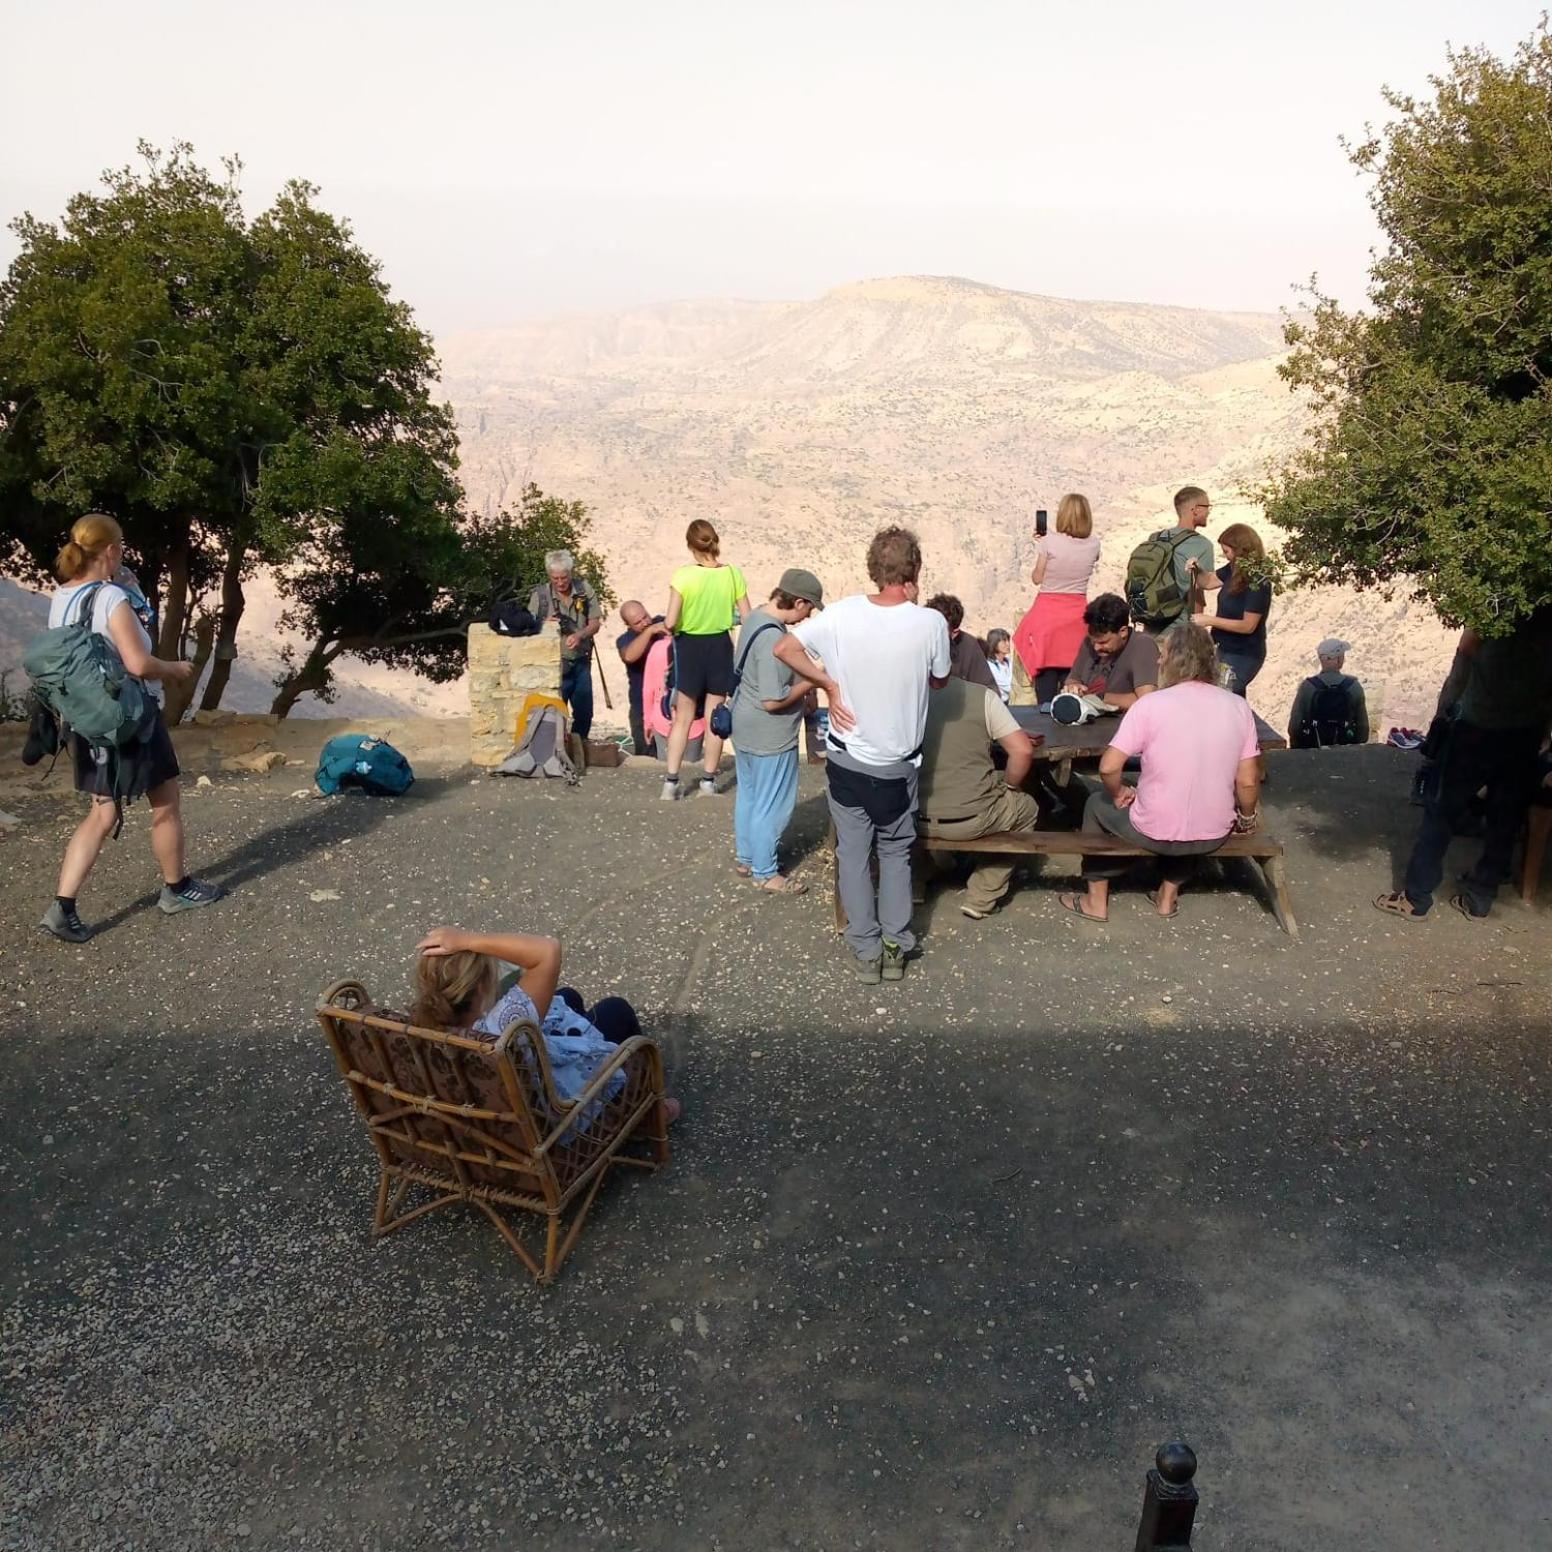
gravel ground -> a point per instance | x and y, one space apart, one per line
936 1265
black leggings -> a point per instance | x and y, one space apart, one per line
613 1017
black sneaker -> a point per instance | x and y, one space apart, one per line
194 893
65 925
869 971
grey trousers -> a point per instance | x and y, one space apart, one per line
870 917
1177 859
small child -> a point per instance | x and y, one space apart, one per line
456 982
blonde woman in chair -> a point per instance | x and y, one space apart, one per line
457 977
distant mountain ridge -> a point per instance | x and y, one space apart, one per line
945 403
799 427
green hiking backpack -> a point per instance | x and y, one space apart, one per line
81 679
1152 591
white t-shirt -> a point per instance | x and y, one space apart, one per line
881 656
62 611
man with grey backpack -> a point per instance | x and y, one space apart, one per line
767 710
93 670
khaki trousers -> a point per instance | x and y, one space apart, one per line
1008 810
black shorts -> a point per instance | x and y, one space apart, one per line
142 766
703 665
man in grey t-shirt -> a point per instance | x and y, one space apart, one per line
767 711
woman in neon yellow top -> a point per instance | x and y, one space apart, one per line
706 599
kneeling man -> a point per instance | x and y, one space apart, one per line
963 794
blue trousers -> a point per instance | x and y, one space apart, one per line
576 689
767 793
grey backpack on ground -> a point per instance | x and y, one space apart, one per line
541 751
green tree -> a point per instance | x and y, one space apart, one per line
1429 463
234 394
117 328
404 592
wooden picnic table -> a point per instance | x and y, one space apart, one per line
1061 743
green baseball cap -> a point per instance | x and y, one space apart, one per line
797 583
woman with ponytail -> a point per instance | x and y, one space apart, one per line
87 566
456 979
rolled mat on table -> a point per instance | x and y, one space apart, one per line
1051 633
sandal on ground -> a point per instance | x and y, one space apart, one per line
1463 905
1073 905
780 884
743 870
1153 900
1398 904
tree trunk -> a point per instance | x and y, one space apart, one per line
233 602
313 675
180 696
176 605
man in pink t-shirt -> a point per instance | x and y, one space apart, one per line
1200 781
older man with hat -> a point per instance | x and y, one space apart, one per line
767 706
1329 707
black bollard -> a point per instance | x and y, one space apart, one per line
1169 1501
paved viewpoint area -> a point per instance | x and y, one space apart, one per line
936 1265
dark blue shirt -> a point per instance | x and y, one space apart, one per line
635 672
1235 606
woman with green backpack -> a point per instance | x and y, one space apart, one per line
113 772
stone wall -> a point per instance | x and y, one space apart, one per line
503 670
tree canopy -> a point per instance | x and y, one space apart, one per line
243 394
403 593
1429 464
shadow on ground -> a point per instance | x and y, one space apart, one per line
935 1266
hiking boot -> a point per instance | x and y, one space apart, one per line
65 925
869 971
189 896
893 963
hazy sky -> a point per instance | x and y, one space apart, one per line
507 159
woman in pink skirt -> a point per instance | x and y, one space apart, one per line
1048 637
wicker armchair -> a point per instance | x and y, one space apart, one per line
481 1123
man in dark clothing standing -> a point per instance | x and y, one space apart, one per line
641 630
571 603
967 659
1503 686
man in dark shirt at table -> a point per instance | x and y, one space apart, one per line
967 658
1115 662
641 630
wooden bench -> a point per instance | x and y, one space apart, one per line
1261 849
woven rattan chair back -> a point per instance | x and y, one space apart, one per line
479 1121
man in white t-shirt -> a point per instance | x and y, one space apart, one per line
883 654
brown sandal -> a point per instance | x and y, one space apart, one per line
1073 905
1398 904
743 870
780 884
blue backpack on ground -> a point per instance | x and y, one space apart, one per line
354 760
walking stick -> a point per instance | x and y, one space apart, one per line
598 663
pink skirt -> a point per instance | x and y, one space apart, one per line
1051 633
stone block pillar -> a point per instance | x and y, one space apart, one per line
503 671
1023 691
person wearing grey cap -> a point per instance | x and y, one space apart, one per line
1329 707
767 707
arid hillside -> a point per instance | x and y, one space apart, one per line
798 428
